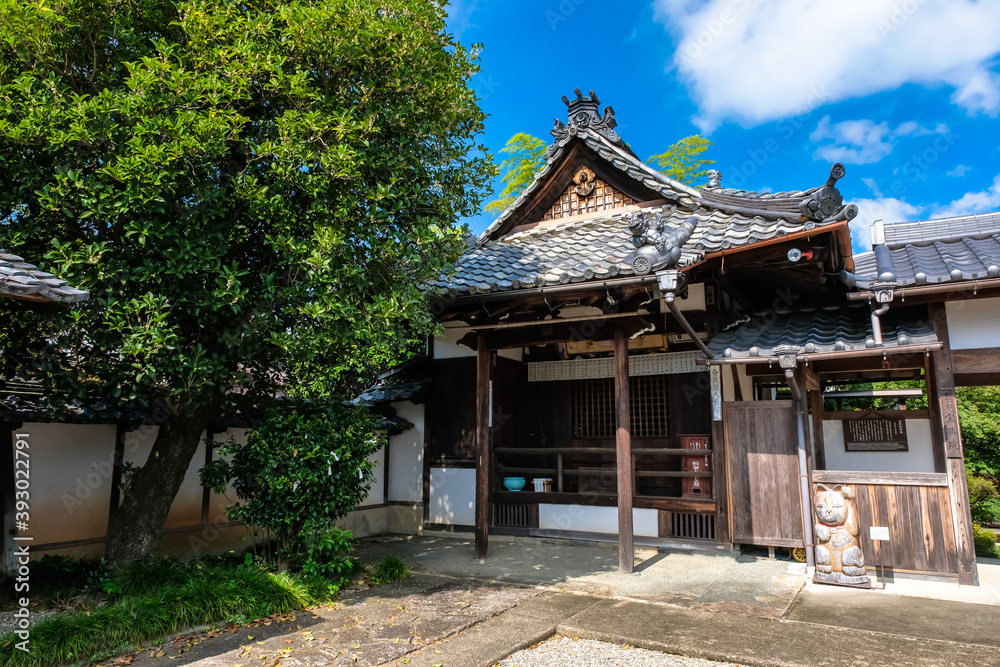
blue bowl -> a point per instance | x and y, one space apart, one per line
513 483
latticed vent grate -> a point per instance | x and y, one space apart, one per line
594 407
511 516
692 526
666 363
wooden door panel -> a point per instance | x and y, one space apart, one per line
764 472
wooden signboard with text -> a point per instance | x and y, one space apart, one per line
875 433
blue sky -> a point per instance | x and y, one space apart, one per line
906 93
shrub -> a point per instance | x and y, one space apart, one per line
299 471
985 541
984 500
390 569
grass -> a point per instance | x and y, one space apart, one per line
162 598
389 570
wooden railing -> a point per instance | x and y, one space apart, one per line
560 471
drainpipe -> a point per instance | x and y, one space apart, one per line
787 359
883 295
670 283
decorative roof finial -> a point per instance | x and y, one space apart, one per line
582 113
714 178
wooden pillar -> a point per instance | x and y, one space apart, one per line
720 484
943 386
937 439
484 358
623 442
819 446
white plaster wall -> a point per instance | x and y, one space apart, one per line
446 346
920 457
406 456
376 493
595 519
973 323
453 496
186 508
695 298
70 480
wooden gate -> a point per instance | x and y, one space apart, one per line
764 473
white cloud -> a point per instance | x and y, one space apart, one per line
984 201
959 171
755 62
863 141
887 209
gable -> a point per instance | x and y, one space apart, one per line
587 193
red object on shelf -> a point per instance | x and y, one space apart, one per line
696 487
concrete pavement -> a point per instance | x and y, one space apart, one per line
458 611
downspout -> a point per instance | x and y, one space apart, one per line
883 294
877 324
787 359
670 282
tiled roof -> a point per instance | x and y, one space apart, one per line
20 279
388 393
966 248
598 248
624 161
942 229
817 331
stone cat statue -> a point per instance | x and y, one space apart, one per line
838 550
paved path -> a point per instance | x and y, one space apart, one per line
460 612
721 581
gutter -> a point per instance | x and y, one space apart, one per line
949 287
820 356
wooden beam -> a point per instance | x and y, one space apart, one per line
623 444
944 383
811 378
484 358
843 364
880 478
982 360
737 386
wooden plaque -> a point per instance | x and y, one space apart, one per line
875 433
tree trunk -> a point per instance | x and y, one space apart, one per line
136 528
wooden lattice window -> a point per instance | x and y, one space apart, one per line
603 197
594 407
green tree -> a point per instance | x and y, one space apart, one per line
252 192
682 161
526 155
